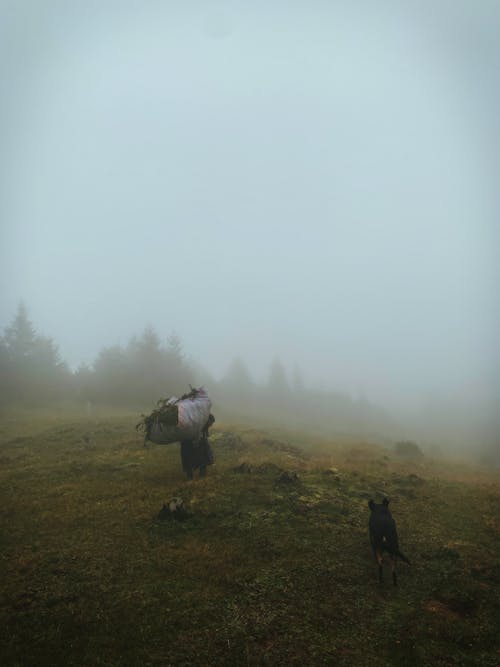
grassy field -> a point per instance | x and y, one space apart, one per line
265 570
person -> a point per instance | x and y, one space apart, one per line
197 455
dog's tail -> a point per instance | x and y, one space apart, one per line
401 555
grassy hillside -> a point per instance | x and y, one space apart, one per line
267 569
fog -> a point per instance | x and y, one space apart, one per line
310 182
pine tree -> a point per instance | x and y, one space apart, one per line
238 381
31 368
278 383
298 380
20 337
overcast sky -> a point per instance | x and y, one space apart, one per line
313 180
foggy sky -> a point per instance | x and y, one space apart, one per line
317 181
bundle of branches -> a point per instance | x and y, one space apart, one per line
192 393
166 414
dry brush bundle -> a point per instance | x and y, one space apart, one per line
166 414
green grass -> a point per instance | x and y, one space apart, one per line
262 572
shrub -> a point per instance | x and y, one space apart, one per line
408 449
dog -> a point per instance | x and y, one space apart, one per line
384 537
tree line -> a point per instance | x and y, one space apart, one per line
147 368
33 373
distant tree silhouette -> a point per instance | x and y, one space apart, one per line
297 380
112 376
200 375
147 369
174 347
30 366
146 364
179 373
144 371
237 383
277 383
238 374
20 336
83 382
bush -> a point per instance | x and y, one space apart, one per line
408 450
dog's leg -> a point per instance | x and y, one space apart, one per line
378 556
394 574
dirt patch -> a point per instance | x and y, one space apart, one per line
437 607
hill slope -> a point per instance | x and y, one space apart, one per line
272 565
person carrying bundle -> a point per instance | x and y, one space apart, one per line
185 420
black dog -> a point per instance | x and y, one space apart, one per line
384 537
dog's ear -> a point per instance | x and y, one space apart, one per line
385 502
371 505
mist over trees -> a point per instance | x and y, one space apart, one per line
33 373
144 369
30 366
148 368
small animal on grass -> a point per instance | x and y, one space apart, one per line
384 537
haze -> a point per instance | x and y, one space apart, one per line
311 181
